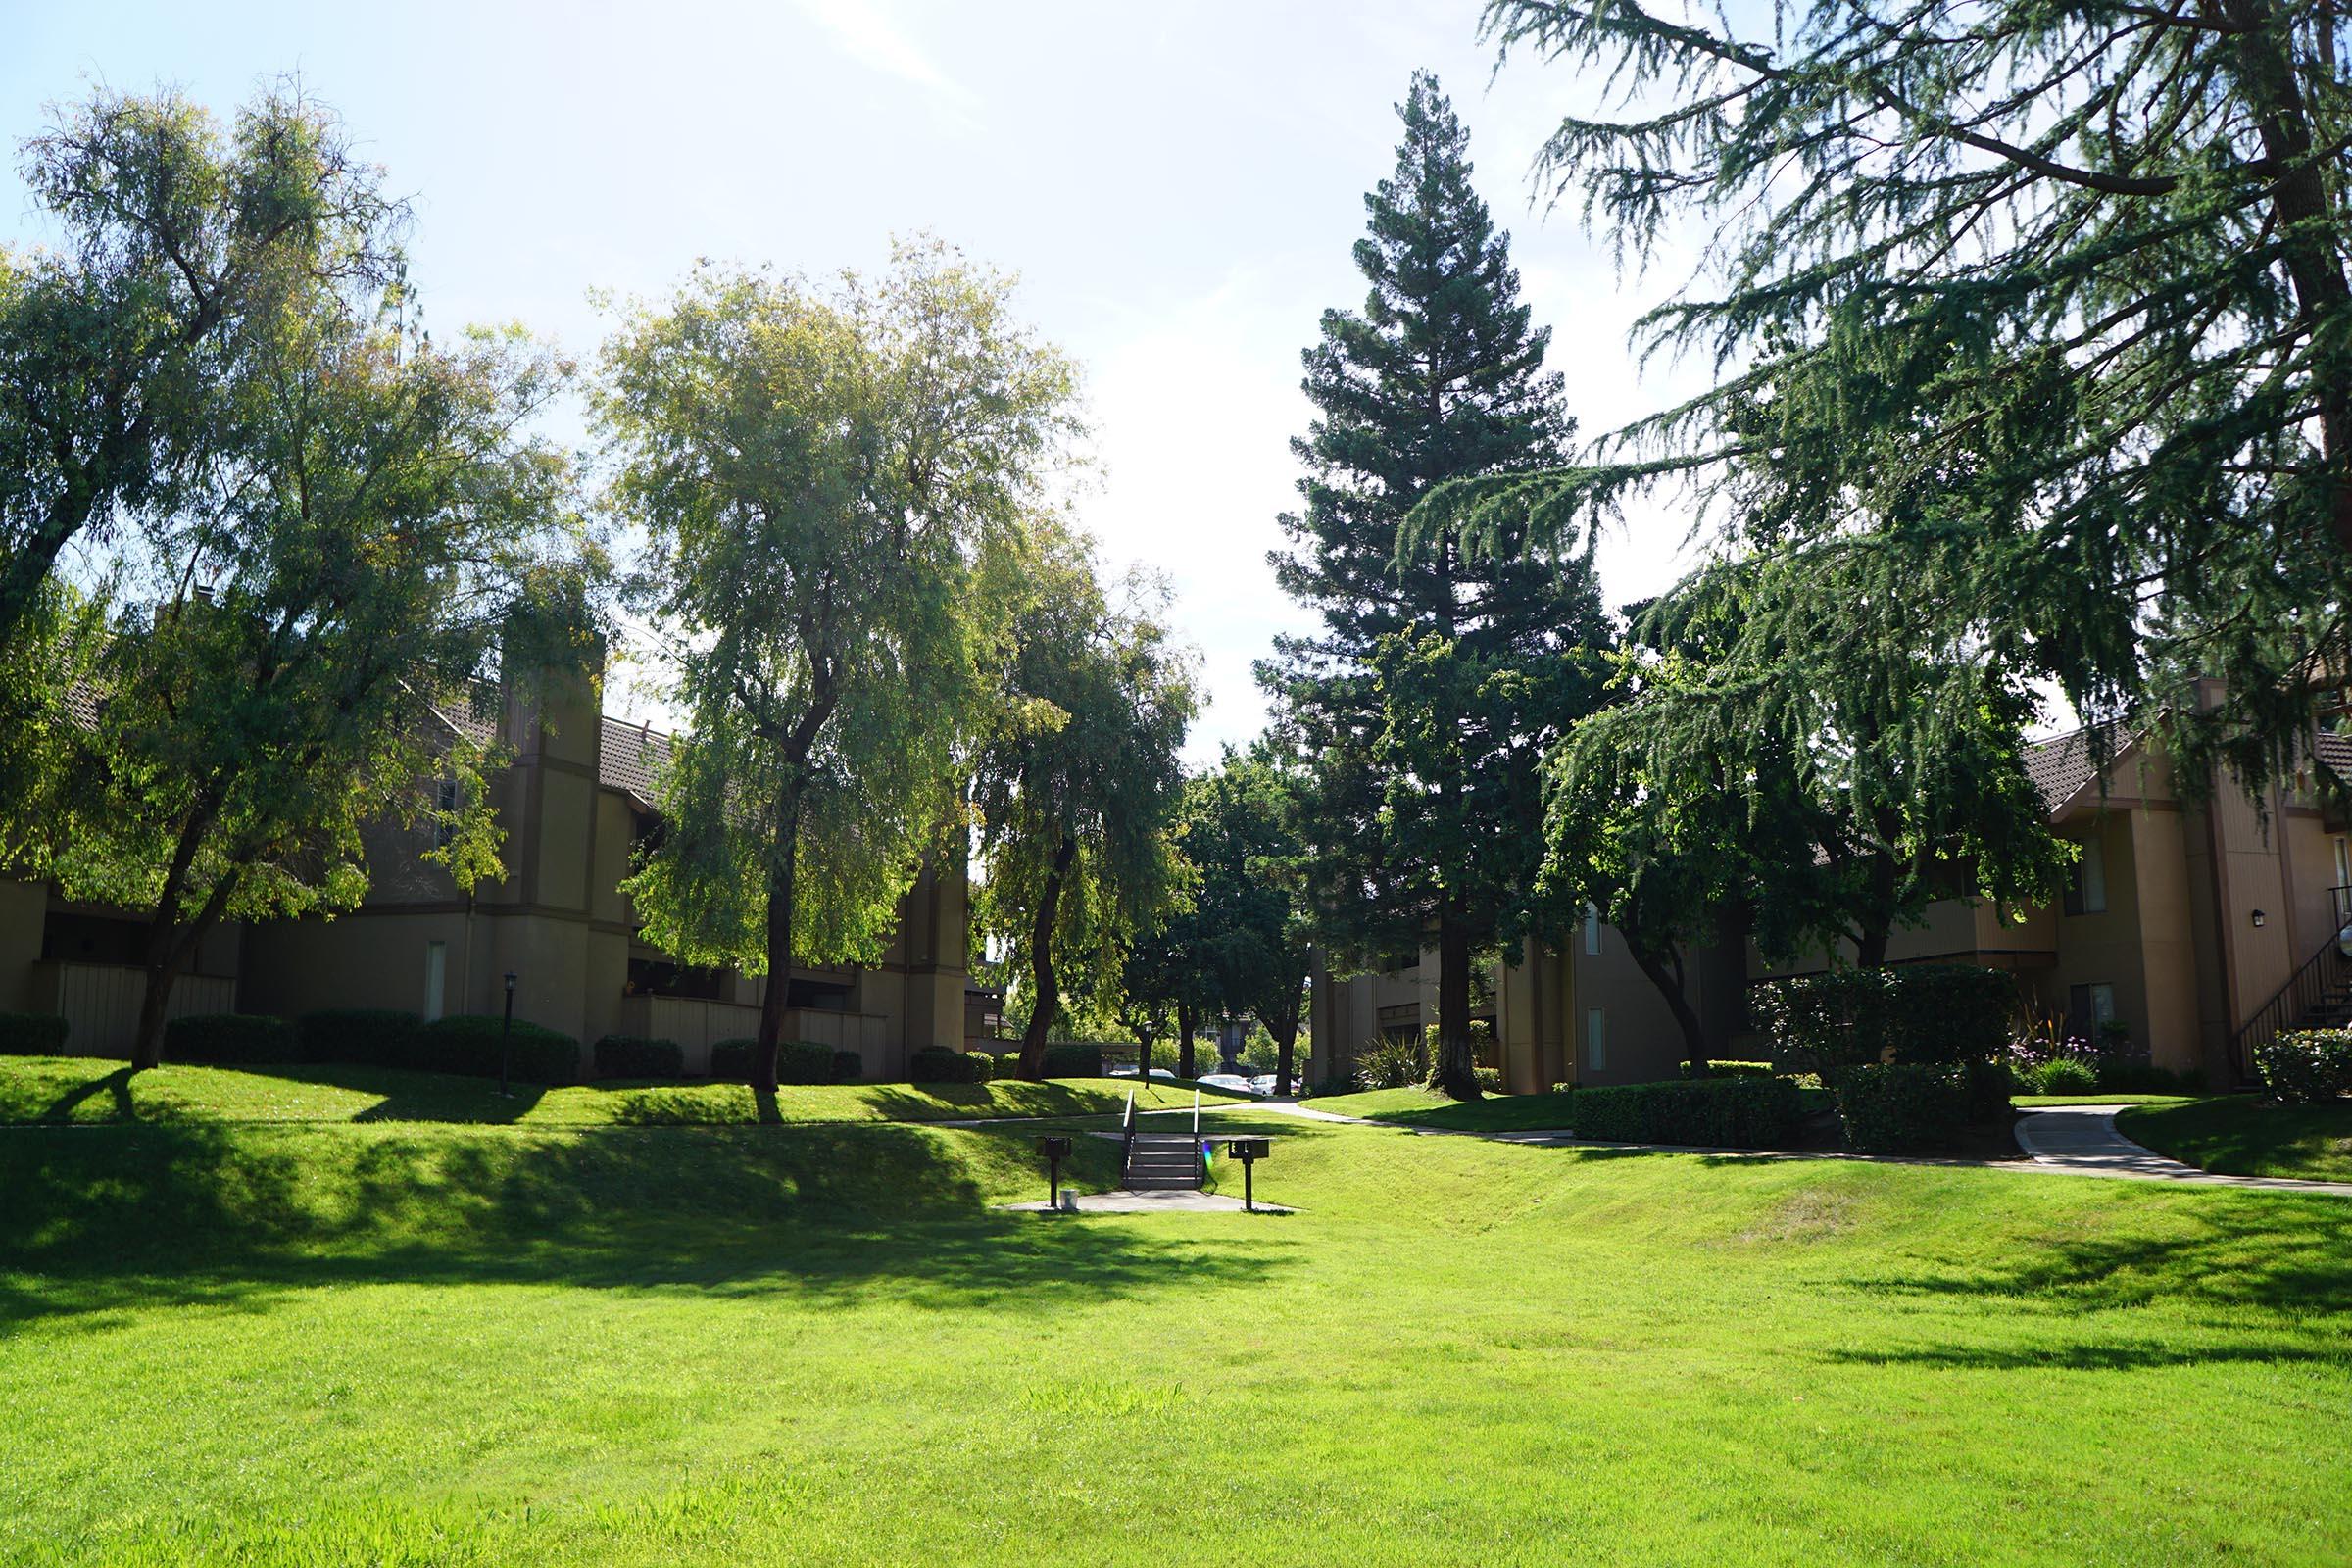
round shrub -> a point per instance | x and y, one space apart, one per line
1007 1067
731 1059
230 1036
2308 1066
635 1056
371 1037
2066 1075
798 1062
32 1034
939 1064
472 1043
1899 1106
1073 1062
847 1067
1926 1012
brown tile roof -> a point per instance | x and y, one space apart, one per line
2060 767
2335 753
629 755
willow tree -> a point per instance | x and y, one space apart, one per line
1077 786
1424 700
2046 306
374 535
176 238
822 474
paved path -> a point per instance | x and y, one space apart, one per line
2058 1140
2084 1140
1181 1202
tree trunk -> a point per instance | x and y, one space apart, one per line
1667 977
1284 1045
1456 1069
147 1047
1184 1039
782 891
1040 964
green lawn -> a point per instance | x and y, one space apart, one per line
1426 1107
2246 1134
85 1089
2036 1102
405 1344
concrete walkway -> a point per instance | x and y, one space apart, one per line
1181 1201
2058 1140
2084 1140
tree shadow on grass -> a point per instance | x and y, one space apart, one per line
2255 1277
95 1227
116 1085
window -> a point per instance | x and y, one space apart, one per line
2090 1008
1596 1040
2087 882
445 804
2343 861
1591 930
436 978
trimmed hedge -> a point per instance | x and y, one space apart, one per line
635 1056
1926 1012
798 1061
371 1037
230 1036
848 1067
938 1064
1073 1062
1007 1067
1733 1069
32 1034
1723 1112
1899 1106
470 1044
2307 1066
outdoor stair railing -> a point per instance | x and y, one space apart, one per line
2321 976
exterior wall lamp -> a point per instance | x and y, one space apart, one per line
2259 917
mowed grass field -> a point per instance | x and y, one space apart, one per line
404 1344
84 1089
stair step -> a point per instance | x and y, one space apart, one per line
1161 1184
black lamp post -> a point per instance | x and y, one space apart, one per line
1248 1151
506 1038
1055 1150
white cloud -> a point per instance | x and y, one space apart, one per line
866 34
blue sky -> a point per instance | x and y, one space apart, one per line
1177 187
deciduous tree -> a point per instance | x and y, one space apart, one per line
1076 790
825 476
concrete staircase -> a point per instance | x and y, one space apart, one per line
1163 1162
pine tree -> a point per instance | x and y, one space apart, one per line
1423 706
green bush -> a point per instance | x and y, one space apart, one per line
635 1056
798 1061
32 1034
1389 1063
1073 1062
939 1064
1734 1069
2064 1075
240 1036
2144 1078
2309 1066
1899 1106
1721 1113
848 1068
370 1037
1488 1079
803 1062
1006 1068
1927 1012
472 1043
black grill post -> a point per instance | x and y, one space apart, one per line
1055 1150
